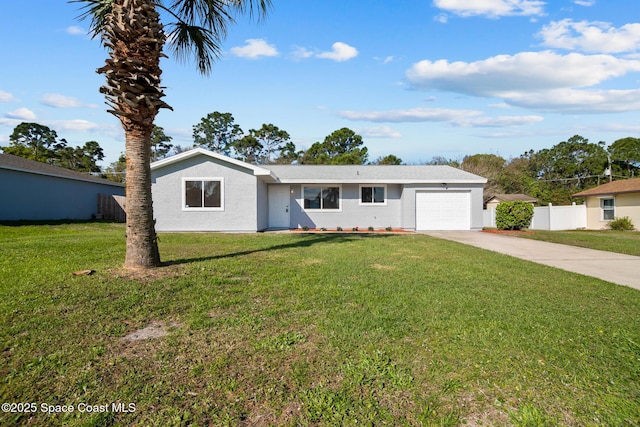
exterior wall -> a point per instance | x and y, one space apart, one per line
352 213
409 202
34 197
240 204
262 205
625 205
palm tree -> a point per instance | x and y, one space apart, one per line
134 35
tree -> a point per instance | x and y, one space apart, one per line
217 132
389 159
160 146
32 141
568 167
271 138
488 166
288 154
134 37
342 147
116 170
82 159
248 149
625 156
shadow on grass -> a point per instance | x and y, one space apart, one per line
309 240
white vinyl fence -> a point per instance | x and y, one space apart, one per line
548 217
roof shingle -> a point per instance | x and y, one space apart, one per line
631 185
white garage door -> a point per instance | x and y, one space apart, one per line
443 210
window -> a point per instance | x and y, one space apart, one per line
321 198
608 209
373 195
202 194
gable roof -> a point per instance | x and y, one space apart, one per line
319 174
20 164
372 174
631 185
256 170
512 197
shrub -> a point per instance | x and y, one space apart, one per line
514 215
621 224
370 228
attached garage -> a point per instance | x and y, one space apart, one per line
443 210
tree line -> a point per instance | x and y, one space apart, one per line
551 175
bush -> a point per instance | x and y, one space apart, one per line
621 224
514 215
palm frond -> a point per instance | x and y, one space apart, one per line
96 11
186 41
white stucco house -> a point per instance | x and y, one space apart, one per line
200 190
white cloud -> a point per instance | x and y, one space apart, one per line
491 8
340 52
507 76
254 49
60 101
78 125
379 132
76 31
591 36
586 3
301 53
6 97
579 101
460 118
21 114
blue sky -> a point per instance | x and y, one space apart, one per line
415 78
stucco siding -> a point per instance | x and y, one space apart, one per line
35 197
625 205
240 197
351 213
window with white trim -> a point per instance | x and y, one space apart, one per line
320 198
608 209
202 194
373 194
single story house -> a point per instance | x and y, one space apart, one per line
36 191
614 199
494 201
200 190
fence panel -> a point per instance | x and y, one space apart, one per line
548 217
111 207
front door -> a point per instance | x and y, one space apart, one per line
278 206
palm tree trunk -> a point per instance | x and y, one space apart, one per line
142 245
135 38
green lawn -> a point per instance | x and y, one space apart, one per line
308 329
624 242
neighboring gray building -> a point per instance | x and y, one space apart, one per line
36 191
200 190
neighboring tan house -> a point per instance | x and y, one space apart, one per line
615 199
200 190
36 191
494 201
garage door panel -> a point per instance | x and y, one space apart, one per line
443 210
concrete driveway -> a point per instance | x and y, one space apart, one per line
612 267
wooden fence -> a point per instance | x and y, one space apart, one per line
111 207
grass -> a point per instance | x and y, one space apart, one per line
624 242
308 329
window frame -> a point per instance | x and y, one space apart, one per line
185 208
372 202
322 186
604 208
